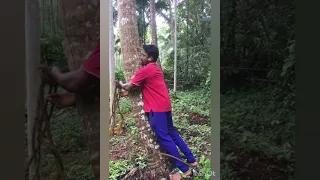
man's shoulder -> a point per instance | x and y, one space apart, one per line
152 67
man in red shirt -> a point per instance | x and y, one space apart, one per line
157 106
78 81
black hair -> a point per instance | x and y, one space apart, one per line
152 51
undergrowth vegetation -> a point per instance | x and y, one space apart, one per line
67 134
191 119
257 135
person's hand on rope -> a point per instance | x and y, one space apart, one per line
119 84
62 100
123 93
46 74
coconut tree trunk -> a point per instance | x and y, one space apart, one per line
81 21
32 76
154 26
129 41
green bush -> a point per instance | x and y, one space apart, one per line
53 51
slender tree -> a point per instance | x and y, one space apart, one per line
175 47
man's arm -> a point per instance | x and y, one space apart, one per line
125 86
74 81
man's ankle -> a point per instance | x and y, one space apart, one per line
187 173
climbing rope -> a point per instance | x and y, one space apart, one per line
42 130
115 107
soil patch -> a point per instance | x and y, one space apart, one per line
252 167
195 118
121 151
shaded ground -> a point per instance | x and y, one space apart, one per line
251 166
257 136
68 136
195 118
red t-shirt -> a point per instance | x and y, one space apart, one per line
155 93
92 64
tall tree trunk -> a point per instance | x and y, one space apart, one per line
111 59
153 22
32 76
171 23
154 26
130 50
81 20
175 47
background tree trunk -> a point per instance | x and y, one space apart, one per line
32 75
153 22
81 20
154 26
171 23
175 46
129 42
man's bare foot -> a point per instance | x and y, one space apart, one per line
62 100
175 176
188 173
194 164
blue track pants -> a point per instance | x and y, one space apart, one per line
169 139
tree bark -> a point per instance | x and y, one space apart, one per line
81 21
129 41
32 76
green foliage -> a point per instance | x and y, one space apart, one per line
53 51
196 101
257 43
118 168
257 125
193 55
120 76
205 171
